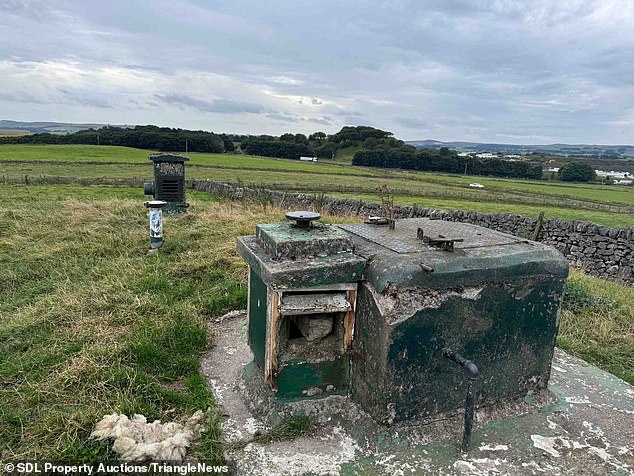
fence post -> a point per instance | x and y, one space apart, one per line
538 226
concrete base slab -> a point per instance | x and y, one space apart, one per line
584 426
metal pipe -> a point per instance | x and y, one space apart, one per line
473 373
155 212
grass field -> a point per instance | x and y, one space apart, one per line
597 324
609 205
607 219
91 324
90 154
13 133
345 155
93 154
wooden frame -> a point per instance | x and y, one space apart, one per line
348 321
273 320
272 333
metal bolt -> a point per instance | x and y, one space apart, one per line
155 212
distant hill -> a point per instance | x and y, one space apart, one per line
602 151
50 127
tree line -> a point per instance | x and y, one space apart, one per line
376 148
445 160
318 144
143 137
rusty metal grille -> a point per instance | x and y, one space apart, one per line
403 238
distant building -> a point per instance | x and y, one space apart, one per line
612 174
624 182
308 159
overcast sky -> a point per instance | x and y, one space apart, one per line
508 71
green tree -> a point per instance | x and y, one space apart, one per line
318 136
301 139
229 145
370 143
576 172
326 151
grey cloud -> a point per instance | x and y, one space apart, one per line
341 112
26 9
293 118
91 102
84 98
222 106
412 122
358 121
60 97
538 68
22 97
324 120
279 116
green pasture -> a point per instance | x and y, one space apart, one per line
92 153
600 217
568 201
609 194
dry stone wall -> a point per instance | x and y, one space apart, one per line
598 250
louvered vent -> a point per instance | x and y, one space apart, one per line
170 190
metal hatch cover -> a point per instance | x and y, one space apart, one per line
403 239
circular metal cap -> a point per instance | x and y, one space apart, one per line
155 203
303 218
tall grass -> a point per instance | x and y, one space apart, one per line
91 324
597 323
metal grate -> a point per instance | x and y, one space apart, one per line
403 239
170 190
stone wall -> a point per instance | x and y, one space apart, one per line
598 250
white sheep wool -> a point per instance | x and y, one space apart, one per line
138 440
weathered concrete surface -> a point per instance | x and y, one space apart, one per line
288 241
585 428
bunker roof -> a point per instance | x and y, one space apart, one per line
418 253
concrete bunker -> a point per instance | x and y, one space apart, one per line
383 315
